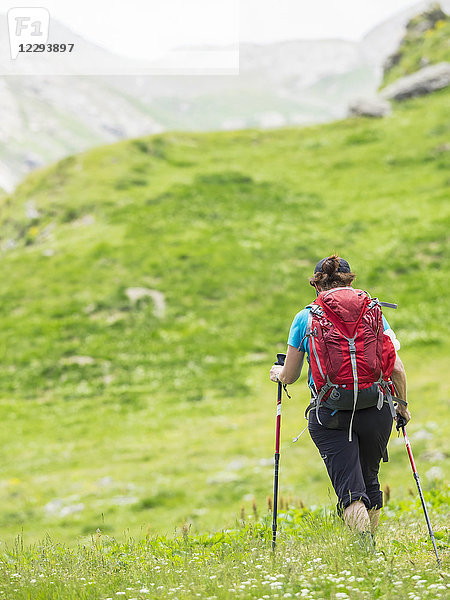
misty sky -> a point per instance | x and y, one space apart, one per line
148 28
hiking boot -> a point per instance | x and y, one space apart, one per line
366 541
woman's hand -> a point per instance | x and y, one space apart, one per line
290 372
275 371
403 411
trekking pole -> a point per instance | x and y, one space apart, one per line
401 423
280 361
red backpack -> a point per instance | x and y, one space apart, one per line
347 347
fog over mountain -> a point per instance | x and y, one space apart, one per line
43 118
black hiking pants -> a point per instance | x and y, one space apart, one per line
353 466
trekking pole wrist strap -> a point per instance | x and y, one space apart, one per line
400 401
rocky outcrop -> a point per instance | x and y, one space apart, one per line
136 294
426 20
369 107
425 81
420 25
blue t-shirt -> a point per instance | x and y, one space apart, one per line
298 330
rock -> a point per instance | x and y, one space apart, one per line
425 81
369 107
56 508
442 148
124 500
105 481
266 462
222 477
434 473
391 61
426 20
134 294
9 244
115 317
236 465
71 509
84 221
421 435
433 456
31 211
32 161
81 361
269 120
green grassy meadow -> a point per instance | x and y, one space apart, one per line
141 417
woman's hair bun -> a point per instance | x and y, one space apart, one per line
331 265
332 272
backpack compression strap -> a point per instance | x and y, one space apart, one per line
352 349
388 304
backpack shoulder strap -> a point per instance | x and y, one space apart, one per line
315 309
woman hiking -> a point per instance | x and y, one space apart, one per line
354 368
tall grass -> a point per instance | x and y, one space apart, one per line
315 557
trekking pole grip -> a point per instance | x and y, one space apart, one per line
280 359
401 422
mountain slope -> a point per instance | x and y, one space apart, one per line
45 118
148 285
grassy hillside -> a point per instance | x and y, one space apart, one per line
426 42
125 414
